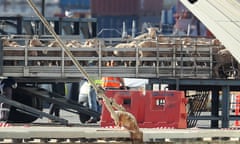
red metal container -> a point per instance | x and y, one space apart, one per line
165 109
150 7
154 109
114 7
132 101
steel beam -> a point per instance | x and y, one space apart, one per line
225 106
1 56
215 107
31 111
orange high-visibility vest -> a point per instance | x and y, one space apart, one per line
111 82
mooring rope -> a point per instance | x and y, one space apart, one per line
109 104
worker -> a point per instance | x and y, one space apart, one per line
112 83
6 86
88 97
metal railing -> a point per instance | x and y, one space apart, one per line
172 59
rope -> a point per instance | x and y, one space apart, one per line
109 104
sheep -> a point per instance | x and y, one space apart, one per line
144 53
89 43
120 53
190 48
35 42
9 43
155 44
226 65
73 44
152 32
53 53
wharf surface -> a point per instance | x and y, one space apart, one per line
97 133
41 131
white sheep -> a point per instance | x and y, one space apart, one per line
122 53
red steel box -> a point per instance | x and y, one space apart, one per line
154 109
132 101
165 109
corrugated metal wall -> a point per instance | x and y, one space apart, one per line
126 7
150 7
114 7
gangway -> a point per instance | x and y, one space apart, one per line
197 104
47 97
222 18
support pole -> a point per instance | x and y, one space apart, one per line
43 14
225 106
215 107
1 56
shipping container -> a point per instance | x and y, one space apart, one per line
114 7
74 4
150 7
112 26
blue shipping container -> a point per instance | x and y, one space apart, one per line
112 26
74 4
